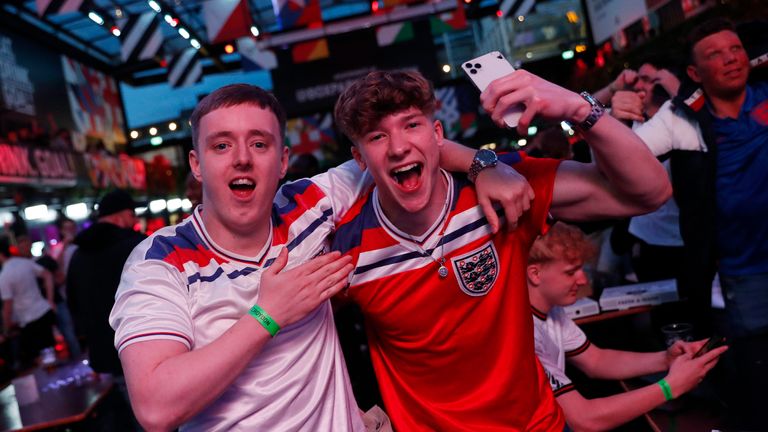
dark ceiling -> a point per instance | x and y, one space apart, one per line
78 36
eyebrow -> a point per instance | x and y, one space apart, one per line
230 134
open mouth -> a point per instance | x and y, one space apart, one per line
407 176
242 186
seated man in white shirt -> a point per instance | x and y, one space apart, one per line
554 275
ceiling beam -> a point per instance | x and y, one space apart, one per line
58 28
12 22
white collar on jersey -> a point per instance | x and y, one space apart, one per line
254 260
431 239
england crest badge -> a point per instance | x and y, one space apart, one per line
477 270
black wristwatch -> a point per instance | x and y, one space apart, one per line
597 111
483 159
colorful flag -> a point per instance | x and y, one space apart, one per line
457 110
308 51
254 57
297 13
308 134
448 21
226 20
394 33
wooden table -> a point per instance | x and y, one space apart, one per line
612 314
68 394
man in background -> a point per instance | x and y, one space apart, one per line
23 304
93 276
555 274
717 132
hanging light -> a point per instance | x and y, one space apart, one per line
155 7
96 18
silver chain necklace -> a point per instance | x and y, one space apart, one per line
442 270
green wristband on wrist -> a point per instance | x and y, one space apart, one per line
265 320
666 389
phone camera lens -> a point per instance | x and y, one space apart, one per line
478 65
473 71
499 56
468 65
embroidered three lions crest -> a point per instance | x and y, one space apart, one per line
477 270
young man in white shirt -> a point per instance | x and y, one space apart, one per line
23 304
555 273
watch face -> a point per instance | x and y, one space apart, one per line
486 157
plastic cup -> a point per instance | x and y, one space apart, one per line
677 331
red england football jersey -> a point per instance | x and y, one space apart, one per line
453 352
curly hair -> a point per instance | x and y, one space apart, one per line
563 241
365 102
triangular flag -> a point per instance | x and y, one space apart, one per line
253 57
308 51
394 33
226 20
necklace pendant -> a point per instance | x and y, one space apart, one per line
442 271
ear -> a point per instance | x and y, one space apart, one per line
194 165
284 162
358 157
438 126
533 273
693 73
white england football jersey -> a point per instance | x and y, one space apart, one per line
180 285
557 337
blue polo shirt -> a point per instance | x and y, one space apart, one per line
742 186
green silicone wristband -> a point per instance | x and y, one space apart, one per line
666 389
265 320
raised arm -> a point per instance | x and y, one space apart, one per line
624 81
630 180
169 384
500 184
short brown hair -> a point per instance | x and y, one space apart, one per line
564 242
233 95
381 93
707 28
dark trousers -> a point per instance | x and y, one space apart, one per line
746 361
37 335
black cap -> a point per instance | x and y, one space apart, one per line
115 201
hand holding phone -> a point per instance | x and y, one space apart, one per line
485 69
712 343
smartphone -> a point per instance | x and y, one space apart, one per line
486 68
712 343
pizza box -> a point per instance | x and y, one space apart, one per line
641 294
583 307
